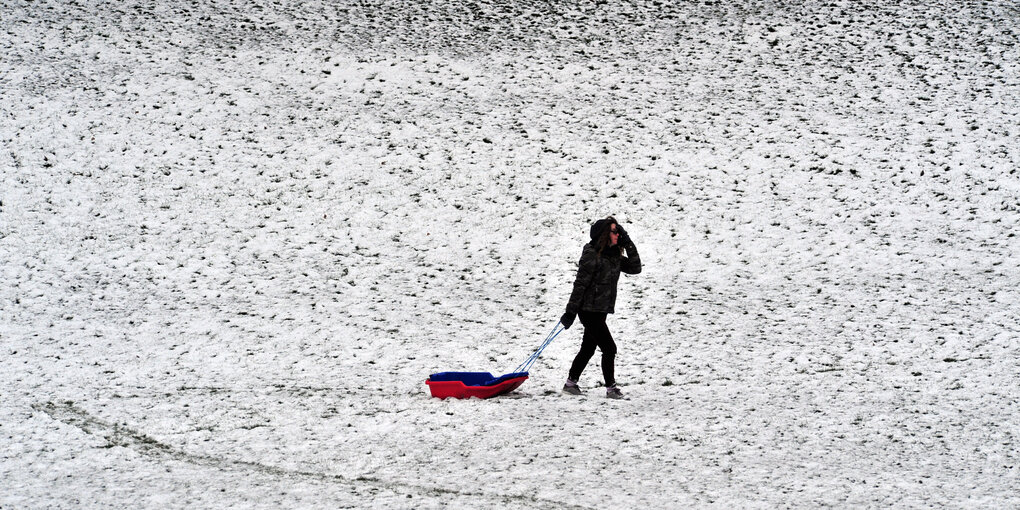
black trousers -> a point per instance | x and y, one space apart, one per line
596 334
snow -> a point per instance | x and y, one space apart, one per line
236 237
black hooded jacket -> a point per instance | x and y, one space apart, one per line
595 285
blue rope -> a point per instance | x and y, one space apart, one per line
524 367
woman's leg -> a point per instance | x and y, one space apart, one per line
588 345
596 334
604 339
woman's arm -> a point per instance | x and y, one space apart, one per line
631 264
585 272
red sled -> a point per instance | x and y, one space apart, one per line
473 384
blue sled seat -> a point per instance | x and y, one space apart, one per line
475 378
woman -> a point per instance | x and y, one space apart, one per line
594 297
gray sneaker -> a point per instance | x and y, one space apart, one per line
571 388
614 392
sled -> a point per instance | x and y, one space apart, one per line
445 385
482 384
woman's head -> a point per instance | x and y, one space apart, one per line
603 233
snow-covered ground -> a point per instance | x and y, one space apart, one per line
237 236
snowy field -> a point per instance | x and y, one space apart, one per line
237 236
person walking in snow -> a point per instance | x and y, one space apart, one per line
609 253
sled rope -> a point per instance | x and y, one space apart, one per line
524 367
